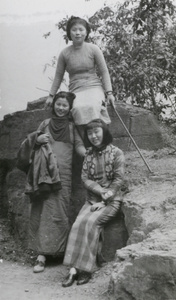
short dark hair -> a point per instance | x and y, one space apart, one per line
76 20
107 136
68 95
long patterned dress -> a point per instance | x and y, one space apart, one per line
49 224
102 170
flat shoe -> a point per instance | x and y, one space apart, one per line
83 278
39 267
69 280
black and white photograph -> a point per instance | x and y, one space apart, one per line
88 150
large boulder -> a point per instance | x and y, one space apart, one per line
146 268
13 130
141 123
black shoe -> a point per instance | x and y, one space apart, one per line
69 280
83 278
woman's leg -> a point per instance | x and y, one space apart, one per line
83 242
74 245
81 130
108 213
93 235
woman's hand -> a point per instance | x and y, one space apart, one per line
43 138
48 102
97 206
111 99
106 195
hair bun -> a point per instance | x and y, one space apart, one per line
71 96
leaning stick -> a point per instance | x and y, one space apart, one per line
132 139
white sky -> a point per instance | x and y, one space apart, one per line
50 7
24 51
33 6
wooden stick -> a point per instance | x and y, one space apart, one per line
131 138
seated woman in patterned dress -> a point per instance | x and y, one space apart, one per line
102 175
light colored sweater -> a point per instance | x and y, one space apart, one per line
81 64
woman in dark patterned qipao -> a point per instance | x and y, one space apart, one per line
102 175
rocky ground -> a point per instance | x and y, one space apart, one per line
17 281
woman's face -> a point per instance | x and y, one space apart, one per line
78 33
95 136
61 107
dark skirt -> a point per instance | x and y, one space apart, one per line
49 225
49 217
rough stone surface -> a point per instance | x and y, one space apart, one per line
146 268
18 205
13 130
141 124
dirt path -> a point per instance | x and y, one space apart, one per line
18 282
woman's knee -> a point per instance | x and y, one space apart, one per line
108 214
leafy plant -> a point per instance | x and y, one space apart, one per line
138 40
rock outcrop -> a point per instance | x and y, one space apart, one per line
141 123
146 268
13 130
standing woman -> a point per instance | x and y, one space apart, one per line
49 223
102 175
82 60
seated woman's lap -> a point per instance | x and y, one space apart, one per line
108 213
99 217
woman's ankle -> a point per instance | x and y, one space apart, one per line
73 271
41 258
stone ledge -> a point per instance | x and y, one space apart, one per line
15 127
146 268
